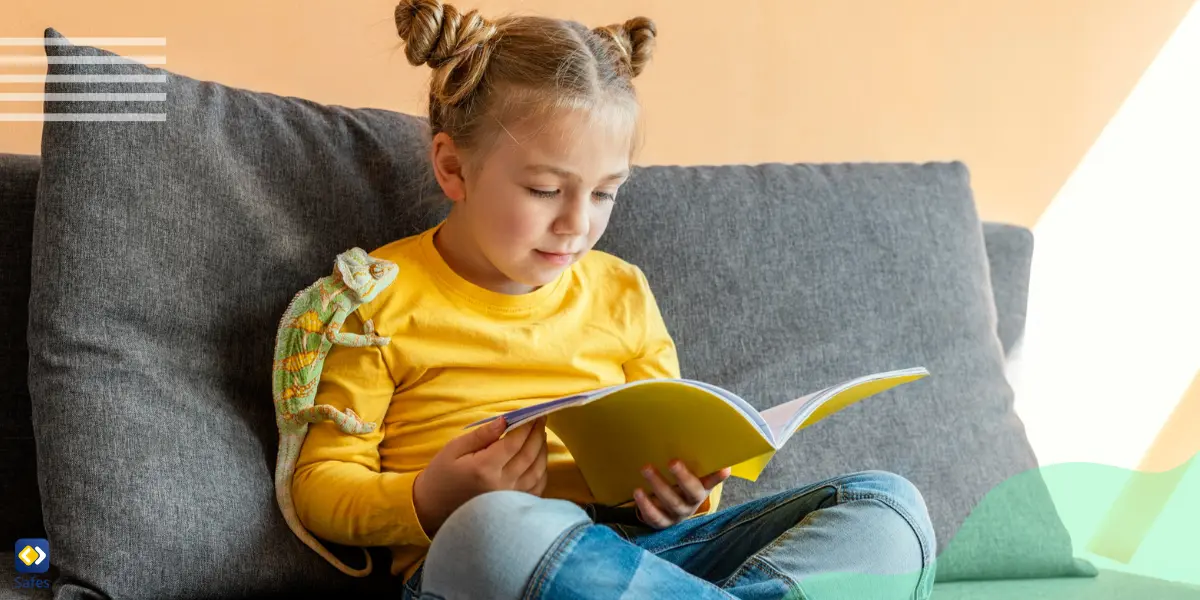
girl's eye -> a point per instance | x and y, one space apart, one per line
542 193
606 196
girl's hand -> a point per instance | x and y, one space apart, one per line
477 462
668 505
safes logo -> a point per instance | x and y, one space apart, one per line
33 555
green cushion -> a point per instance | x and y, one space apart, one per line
1002 538
1108 585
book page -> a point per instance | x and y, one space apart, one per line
523 415
779 417
835 398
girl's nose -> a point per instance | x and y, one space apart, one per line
573 220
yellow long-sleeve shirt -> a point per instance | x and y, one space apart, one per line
460 353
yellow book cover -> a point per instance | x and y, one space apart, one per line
612 432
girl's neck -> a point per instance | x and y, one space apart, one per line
465 258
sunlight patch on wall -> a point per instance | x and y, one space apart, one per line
1113 332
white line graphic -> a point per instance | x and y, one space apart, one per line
32 59
92 41
82 97
83 116
49 58
38 78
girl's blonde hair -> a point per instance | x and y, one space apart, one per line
486 72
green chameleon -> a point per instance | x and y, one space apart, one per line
310 327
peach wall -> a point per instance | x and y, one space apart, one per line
1018 89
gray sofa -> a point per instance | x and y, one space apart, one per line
145 265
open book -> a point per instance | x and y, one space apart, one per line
612 432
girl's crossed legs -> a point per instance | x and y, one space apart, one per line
862 535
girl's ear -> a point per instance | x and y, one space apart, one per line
448 167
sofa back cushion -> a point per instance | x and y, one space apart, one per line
1010 260
1009 251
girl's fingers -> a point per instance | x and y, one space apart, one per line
533 445
534 481
672 504
693 489
540 488
535 475
650 513
711 480
500 453
531 477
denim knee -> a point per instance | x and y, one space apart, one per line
899 494
492 543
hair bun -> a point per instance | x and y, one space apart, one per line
439 35
434 32
635 40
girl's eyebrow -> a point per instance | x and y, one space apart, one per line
543 168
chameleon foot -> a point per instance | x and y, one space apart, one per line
372 337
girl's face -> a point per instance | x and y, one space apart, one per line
538 201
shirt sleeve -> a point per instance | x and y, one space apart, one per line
658 359
339 490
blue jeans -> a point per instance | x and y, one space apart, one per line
862 535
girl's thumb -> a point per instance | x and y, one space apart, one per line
482 437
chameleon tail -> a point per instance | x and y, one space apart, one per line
285 466
347 420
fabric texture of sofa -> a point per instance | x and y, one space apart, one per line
151 260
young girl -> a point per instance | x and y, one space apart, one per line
504 304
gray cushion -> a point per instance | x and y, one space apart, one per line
1009 250
22 514
1010 257
151 395
778 280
